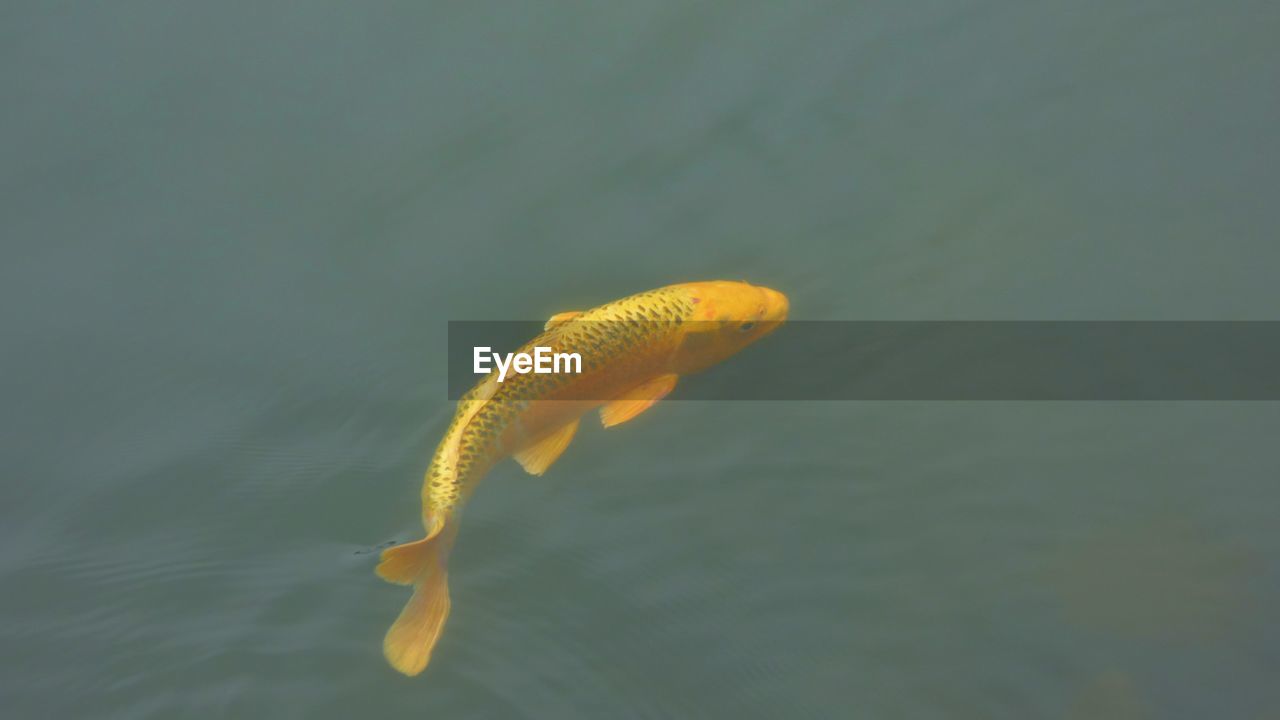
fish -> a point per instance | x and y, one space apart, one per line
633 350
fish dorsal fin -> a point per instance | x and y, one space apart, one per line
536 458
637 400
561 318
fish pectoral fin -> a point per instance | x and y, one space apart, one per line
637 400
561 318
539 456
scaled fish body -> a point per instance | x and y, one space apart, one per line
633 351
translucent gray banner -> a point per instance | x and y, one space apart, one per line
970 360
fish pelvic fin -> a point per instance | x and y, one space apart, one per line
408 644
539 456
637 400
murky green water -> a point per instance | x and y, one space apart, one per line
233 238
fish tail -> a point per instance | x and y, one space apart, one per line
408 643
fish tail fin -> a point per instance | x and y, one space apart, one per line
404 564
408 643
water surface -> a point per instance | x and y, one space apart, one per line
234 235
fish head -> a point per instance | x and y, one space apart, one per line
726 317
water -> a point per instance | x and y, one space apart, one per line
233 237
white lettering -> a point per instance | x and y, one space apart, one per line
568 358
543 361
502 367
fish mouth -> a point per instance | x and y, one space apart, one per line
776 305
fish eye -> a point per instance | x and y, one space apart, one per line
746 326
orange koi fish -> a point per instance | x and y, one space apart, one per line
633 351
